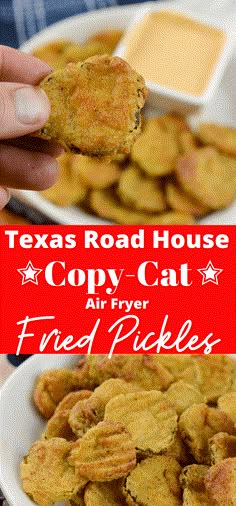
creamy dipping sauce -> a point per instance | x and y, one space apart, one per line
175 51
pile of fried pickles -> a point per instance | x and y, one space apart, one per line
173 175
136 430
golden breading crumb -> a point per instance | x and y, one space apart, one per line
46 474
198 424
182 395
154 482
86 414
95 106
104 494
220 136
192 479
222 446
221 483
95 173
107 206
106 452
227 403
140 192
149 418
214 375
69 188
58 425
208 176
52 386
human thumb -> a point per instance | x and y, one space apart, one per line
23 109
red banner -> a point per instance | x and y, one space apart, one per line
114 289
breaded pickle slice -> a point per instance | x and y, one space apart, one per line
106 452
221 483
47 476
108 207
139 191
220 136
104 494
208 176
192 480
68 189
148 416
95 106
154 482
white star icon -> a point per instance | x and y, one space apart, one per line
210 274
29 274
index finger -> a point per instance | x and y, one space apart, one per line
18 67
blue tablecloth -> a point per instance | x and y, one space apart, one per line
20 19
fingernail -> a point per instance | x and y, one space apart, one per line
31 105
4 196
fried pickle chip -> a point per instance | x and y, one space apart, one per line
214 375
179 451
182 395
140 192
104 494
192 479
53 385
182 202
46 474
94 173
175 364
198 424
154 482
95 106
58 425
208 176
107 38
156 148
75 53
140 369
227 403
149 418
222 446
187 142
52 52
221 483
106 452
105 205
69 188
85 415
220 136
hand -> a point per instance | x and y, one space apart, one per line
25 162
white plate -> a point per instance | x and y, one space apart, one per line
221 110
20 423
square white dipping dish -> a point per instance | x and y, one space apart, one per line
181 57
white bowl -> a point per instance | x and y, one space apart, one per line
20 423
167 98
